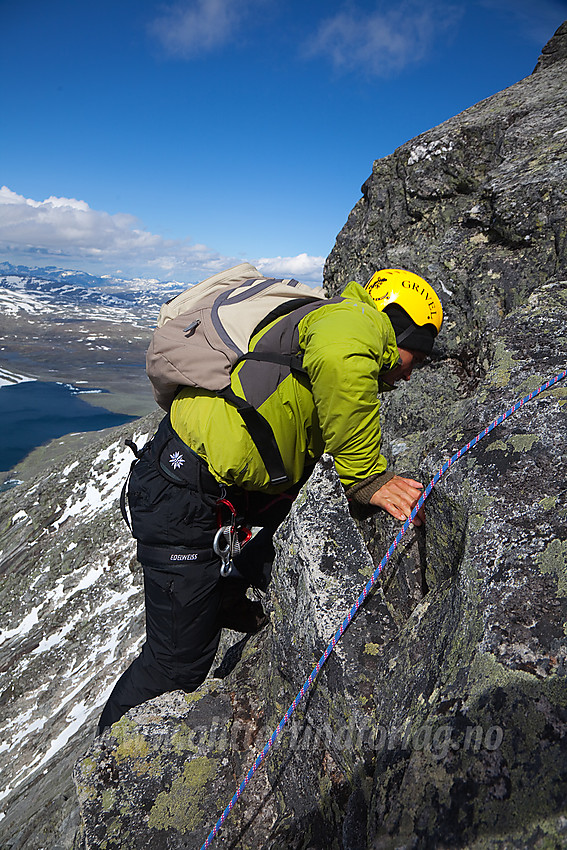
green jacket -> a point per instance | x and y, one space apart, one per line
346 344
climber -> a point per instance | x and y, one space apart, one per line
202 470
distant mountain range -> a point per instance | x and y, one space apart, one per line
82 288
53 273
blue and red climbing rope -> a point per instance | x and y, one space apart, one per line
370 584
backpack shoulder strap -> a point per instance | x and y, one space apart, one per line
262 435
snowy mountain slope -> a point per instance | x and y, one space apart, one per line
60 301
71 618
35 294
81 285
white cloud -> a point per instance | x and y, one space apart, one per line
303 267
60 224
189 29
67 231
382 42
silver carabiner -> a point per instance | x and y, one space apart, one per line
223 552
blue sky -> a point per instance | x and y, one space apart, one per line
169 140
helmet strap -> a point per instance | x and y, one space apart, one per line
405 334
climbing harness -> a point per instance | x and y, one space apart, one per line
370 584
229 539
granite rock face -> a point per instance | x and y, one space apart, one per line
162 775
477 206
555 50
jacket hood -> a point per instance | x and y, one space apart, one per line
355 292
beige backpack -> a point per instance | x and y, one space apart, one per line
203 332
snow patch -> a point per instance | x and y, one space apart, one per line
19 517
9 379
29 621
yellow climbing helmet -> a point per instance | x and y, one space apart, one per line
411 304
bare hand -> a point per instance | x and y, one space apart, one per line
398 497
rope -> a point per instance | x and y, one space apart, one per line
370 584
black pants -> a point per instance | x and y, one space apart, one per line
173 506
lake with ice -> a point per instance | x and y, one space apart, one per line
34 412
